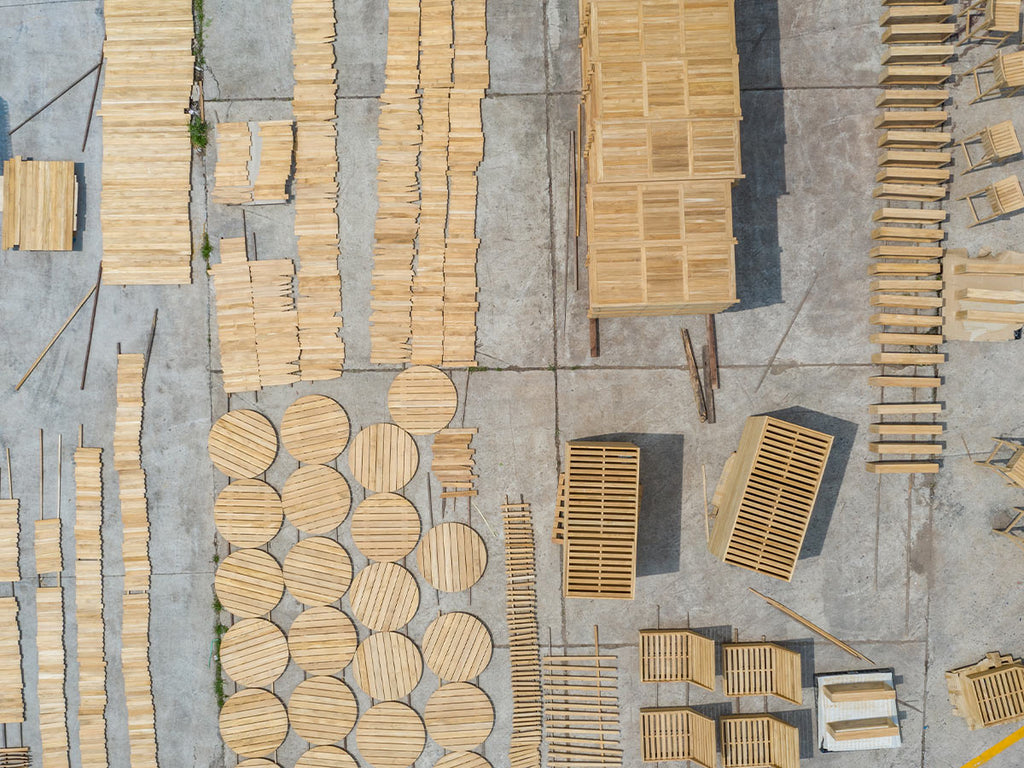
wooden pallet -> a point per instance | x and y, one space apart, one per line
40 205
581 711
677 656
989 692
677 733
759 741
761 669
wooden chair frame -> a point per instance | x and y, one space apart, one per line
761 669
1004 197
999 142
759 741
988 693
1007 469
990 20
1015 524
677 656
1007 72
677 734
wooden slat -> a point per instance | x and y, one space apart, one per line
40 203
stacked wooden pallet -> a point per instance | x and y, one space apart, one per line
322 352
147 153
906 286
40 200
243 175
581 711
662 112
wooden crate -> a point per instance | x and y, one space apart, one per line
989 692
759 741
677 733
761 669
677 656
40 203
765 497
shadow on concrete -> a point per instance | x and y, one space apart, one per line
844 433
78 235
806 650
661 509
5 127
714 711
804 721
762 143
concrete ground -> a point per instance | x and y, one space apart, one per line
904 569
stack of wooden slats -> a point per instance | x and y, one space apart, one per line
662 111
147 153
452 462
906 264
322 352
231 184
276 146
581 711
984 297
40 200
257 324
53 724
237 178
12 696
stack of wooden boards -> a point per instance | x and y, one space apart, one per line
147 154
662 109
988 693
984 296
40 203
452 462
906 286
243 175
424 295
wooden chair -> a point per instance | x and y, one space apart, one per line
1003 197
988 693
996 20
677 656
1010 467
1007 72
998 142
1014 531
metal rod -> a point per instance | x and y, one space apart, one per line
26 120
92 325
149 347
55 337
92 104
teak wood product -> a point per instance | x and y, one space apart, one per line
422 400
234 153
457 647
253 722
383 457
253 652
602 502
322 640
677 656
316 498
995 20
999 142
857 711
53 726
47 546
10 529
40 204
581 710
390 735
452 557
1013 529
387 666
761 669
384 596
459 716
452 462
984 296
322 710
385 527
248 513
989 692
1003 197
317 571
12 686
675 734
1007 72
463 760
327 756
253 165
765 497
242 444
249 583
315 429
759 741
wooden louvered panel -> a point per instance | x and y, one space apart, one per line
677 655
999 694
760 669
677 733
759 741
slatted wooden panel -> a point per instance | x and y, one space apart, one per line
317 571
315 429
253 722
677 733
452 462
327 756
242 443
248 513
322 640
422 400
277 146
147 154
764 501
316 498
322 710
12 687
677 656
47 546
383 457
759 741
385 527
40 204
457 647
601 508
53 726
464 760
390 735
451 557
253 652
581 711
387 666
459 716
249 583
231 184
999 694
761 669
384 596
10 530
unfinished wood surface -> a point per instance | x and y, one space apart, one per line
249 583
761 669
677 733
581 710
327 756
317 571
383 457
316 498
451 557
231 184
984 296
128 414
53 725
315 429
253 722
387 666
385 527
40 204
384 596
866 691
457 647
322 710
254 653
422 400
322 640
248 513
242 444
12 687
390 735
452 462
459 716
677 656
759 741
10 530
465 760
276 139
989 692
47 546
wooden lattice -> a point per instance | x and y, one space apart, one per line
759 741
581 711
677 656
989 692
40 201
677 733
760 669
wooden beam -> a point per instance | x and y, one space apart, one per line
812 626
691 363
595 338
712 350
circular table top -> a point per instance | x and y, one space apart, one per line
383 457
315 429
458 716
390 735
452 557
253 722
316 498
322 710
242 443
257 762
387 666
462 760
322 640
457 646
249 583
422 400
317 571
254 653
326 757
384 596
248 513
385 527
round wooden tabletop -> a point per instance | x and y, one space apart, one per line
253 722
384 596
458 716
242 444
422 400
452 557
383 457
322 640
387 666
249 583
322 710
315 429
257 762
462 760
326 757
390 735
248 513
317 571
254 653
316 498
457 647
385 527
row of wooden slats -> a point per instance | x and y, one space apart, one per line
759 741
581 711
672 734
237 179
12 688
999 695
760 669
40 200
452 462
676 656
53 724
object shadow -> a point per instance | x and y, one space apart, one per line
804 722
5 127
78 236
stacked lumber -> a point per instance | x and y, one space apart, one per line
906 287
53 723
662 111
92 667
147 153
40 199
984 296
231 184
257 324
523 638
322 352
10 530
452 462
49 558
12 687
761 669
581 711
253 165
276 142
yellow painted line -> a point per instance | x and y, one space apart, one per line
995 749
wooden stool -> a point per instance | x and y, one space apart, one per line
1005 196
998 142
